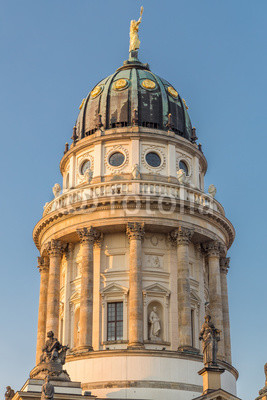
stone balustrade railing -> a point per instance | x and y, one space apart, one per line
123 189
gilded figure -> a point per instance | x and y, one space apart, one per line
134 28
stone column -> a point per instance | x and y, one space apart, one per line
96 291
43 265
66 324
183 237
224 264
87 238
55 250
135 232
213 250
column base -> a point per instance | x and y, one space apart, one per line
188 350
82 349
135 346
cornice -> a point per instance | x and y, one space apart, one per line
214 218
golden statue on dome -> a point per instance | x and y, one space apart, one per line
134 28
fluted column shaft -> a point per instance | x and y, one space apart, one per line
87 238
66 323
183 237
55 250
41 330
224 264
215 294
135 232
96 290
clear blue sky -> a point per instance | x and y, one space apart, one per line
52 54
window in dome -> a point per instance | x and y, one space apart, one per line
85 166
116 159
153 159
182 165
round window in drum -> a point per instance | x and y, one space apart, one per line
116 159
85 166
182 165
153 159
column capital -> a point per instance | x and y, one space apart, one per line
43 264
182 235
135 230
55 247
88 235
99 241
224 264
214 248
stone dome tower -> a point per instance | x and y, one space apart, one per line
133 250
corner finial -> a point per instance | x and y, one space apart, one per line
134 39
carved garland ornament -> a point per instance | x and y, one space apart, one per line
157 150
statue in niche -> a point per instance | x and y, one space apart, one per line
9 394
47 389
154 321
210 337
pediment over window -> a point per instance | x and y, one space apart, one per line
75 298
194 298
156 288
114 288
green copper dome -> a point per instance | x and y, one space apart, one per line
134 96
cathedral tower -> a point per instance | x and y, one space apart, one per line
133 251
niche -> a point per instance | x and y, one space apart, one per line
155 322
